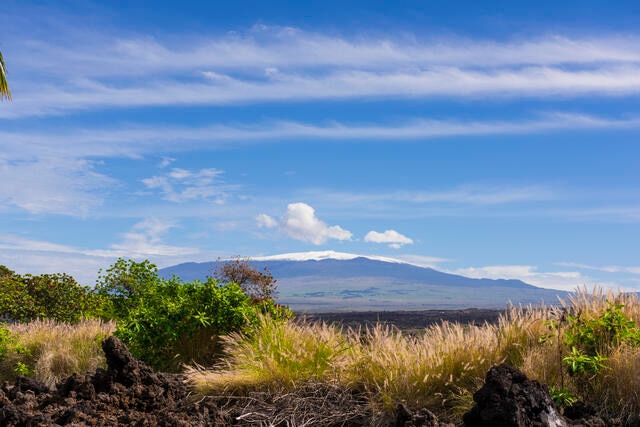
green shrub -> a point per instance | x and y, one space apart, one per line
48 296
166 322
561 396
122 284
5 341
591 339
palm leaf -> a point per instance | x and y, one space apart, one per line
4 86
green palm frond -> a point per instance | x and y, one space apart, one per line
4 86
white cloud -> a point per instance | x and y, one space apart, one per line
137 141
266 221
277 47
392 237
563 280
18 243
145 241
605 268
51 186
276 64
301 223
180 185
166 161
534 82
423 260
467 194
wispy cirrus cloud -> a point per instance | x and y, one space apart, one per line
55 165
465 195
276 47
180 185
533 82
274 64
145 240
603 268
564 280
137 140
66 186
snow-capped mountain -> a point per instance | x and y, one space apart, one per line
322 255
328 281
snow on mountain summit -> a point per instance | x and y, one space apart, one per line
322 255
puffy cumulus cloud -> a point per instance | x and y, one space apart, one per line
392 237
301 223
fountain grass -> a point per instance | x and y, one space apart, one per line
439 368
50 351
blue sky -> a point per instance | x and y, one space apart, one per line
482 138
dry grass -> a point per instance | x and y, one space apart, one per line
278 356
53 350
311 404
439 369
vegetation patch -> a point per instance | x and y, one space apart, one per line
586 349
243 348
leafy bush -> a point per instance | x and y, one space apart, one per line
48 296
5 341
122 284
591 339
561 396
166 322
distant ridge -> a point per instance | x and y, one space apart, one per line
337 281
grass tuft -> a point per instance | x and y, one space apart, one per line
50 350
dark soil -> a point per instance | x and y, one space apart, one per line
409 320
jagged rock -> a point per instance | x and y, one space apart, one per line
509 399
128 393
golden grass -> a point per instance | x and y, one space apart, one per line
53 350
439 369
277 356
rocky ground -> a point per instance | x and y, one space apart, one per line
128 393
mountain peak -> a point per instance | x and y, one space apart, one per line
322 255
